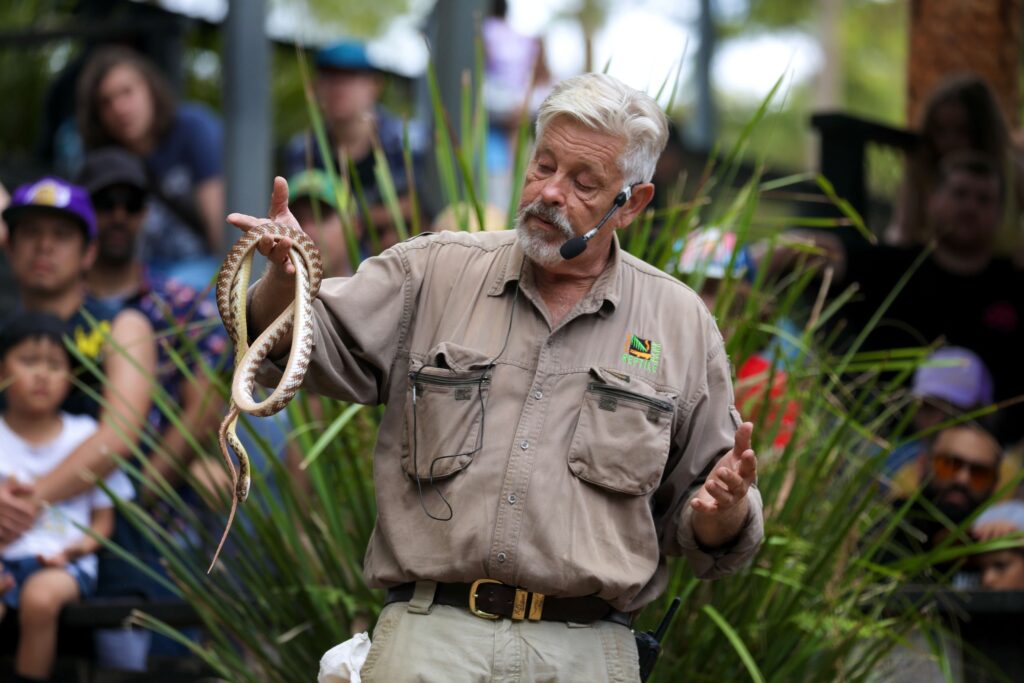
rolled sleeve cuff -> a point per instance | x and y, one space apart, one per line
726 560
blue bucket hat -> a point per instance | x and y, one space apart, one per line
346 54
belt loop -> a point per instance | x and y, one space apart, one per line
422 597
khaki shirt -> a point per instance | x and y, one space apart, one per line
567 453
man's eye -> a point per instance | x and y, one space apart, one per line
583 187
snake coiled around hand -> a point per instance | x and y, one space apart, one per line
297 318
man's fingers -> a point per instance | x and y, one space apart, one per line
747 468
279 198
245 222
743 437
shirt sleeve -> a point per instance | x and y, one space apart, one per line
359 323
707 433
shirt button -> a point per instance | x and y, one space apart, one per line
538 394
512 498
502 557
524 444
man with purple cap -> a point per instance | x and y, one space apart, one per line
348 86
953 381
50 247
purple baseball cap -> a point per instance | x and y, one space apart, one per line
54 195
955 375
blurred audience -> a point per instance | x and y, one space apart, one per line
348 86
53 563
124 100
961 114
961 292
314 203
1001 569
51 245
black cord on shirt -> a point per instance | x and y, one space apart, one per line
483 378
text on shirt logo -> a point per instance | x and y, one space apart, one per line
642 353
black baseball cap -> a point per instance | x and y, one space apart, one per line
112 166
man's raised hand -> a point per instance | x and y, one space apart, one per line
273 247
727 484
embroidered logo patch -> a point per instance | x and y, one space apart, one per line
642 352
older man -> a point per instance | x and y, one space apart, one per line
554 428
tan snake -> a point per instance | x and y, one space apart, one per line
232 288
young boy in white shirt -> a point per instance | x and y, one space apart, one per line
54 563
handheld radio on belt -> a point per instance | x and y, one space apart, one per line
648 643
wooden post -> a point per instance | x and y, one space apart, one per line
948 37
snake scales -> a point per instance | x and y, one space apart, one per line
297 318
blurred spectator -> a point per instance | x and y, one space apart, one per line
5 199
713 260
952 381
54 563
348 87
1001 569
961 114
961 292
958 469
516 81
52 231
314 203
187 327
124 100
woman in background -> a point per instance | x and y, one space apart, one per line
124 100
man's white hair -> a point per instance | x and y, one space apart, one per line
606 104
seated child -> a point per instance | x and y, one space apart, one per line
52 564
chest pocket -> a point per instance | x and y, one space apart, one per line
444 412
622 438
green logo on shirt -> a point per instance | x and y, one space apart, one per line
642 353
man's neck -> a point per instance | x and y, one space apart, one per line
562 288
962 262
106 281
63 305
34 428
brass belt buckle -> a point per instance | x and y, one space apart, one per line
472 600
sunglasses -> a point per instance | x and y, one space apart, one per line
946 466
132 201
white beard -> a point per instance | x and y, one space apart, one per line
537 245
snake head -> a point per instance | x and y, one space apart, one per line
242 489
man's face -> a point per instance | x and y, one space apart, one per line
48 253
120 213
346 95
39 373
962 470
966 211
570 184
126 105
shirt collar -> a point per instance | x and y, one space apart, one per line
603 295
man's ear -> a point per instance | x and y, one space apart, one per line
642 194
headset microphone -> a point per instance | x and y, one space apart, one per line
575 246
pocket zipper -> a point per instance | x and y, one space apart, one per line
419 378
624 394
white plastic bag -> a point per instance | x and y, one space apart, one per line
341 664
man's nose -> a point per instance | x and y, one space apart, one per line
963 475
553 191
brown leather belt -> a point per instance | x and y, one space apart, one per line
490 599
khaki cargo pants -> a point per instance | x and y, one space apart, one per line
423 643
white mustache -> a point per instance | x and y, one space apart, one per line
540 210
